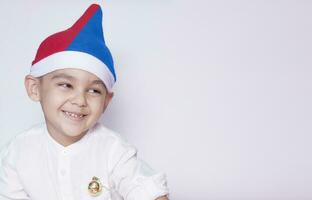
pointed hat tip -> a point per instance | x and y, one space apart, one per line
91 10
94 6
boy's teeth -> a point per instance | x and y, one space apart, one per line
73 114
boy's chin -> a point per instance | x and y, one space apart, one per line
69 138
75 132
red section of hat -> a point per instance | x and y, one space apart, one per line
61 40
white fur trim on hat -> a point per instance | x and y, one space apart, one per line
74 59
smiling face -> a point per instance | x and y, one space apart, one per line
72 101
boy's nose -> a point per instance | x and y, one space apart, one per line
79 99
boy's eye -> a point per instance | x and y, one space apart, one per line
94 91
69 86
65 85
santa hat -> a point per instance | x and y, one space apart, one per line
82 46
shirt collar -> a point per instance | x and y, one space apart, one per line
70 149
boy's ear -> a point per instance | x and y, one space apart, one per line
108 98
32 85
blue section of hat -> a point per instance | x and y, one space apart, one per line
91 40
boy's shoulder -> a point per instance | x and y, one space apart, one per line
30 136
106 136
102 132
27 139
34 131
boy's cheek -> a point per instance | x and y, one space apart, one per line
97 105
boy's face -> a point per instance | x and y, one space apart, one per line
72 101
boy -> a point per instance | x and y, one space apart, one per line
71 156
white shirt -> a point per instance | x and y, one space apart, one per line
34 166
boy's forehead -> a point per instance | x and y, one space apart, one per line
74 74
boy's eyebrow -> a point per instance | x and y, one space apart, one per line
66 76
62 76
97 82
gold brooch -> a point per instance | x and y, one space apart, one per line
95 187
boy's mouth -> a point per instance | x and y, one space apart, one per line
72 115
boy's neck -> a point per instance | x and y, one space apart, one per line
63 139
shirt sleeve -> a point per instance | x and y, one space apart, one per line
133 178
10 186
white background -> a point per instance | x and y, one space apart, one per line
217 94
